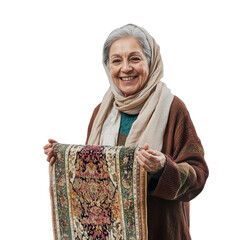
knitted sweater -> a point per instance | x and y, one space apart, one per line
182 179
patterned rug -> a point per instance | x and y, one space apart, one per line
97 192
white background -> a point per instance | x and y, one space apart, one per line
50 66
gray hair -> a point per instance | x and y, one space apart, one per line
127 30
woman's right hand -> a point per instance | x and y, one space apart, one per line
48 150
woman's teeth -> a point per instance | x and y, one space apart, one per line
127 78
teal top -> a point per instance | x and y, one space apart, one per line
126 122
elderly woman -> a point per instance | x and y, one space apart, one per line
139 110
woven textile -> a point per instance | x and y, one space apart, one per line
97 192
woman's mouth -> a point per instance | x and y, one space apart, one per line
127 78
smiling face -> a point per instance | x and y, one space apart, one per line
128 65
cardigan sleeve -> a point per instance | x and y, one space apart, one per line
186 171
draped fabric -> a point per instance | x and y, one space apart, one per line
97 192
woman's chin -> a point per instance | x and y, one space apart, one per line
128 92
129 88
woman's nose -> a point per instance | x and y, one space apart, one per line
126 67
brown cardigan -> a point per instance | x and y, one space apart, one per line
183 178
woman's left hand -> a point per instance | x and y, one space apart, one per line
151 160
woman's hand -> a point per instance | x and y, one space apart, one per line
151 160
48 150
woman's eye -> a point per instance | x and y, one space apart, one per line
116 60
135 59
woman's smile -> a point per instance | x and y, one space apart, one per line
128 78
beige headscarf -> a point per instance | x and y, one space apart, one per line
152 103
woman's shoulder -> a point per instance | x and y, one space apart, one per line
177 103
178 107
178 113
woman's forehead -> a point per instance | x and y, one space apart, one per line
126 45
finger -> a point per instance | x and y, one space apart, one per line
52 161
50 140
145 160
50 153
146 146
153 155
143 165
154 152
154 162
47 146
46 151
157 156
145 154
